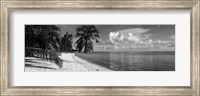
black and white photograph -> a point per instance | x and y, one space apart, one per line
114 47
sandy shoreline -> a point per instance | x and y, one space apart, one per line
70 63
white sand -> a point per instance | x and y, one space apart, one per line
70 63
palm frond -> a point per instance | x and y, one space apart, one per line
44 37
87 34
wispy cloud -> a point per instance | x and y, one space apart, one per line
134 31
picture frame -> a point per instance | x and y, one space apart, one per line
7 6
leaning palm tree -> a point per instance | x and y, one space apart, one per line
43 39
87 35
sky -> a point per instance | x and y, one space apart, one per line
130 37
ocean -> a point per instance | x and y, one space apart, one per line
133 60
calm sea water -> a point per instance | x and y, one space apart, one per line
133 61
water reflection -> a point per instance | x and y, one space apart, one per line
156 62
133 61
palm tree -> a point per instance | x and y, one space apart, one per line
66 42
87 35
44 37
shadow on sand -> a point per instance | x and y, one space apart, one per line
32 62
30 65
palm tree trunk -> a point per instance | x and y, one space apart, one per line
85 47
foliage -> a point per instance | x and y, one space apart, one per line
87 35
42 36
66 42
43 40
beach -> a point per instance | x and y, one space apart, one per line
70 63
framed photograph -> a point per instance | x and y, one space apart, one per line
98 47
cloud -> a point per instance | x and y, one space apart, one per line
133 31
172 36
113 36
132 37
129 35
116 37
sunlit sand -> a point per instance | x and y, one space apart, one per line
70 63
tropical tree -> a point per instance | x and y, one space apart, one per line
66 42
43 39
42 36
87 34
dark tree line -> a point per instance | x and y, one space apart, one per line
66 42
